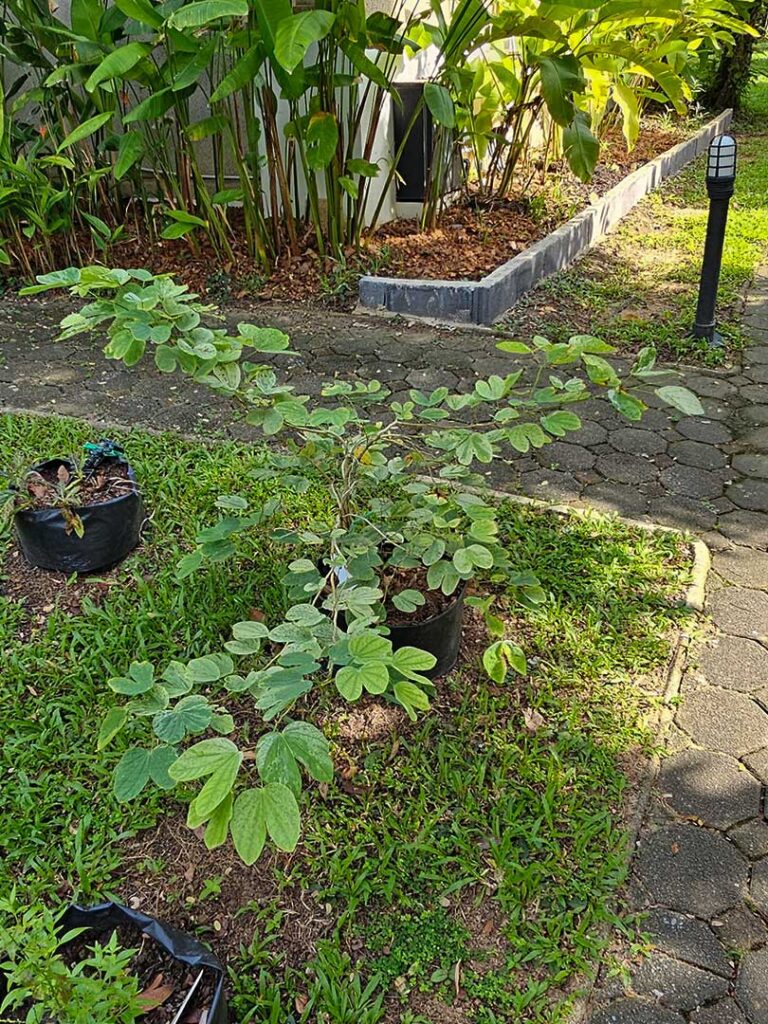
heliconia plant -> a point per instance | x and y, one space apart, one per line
111 114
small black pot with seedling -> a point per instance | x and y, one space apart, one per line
78 518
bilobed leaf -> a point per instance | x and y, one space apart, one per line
408 600
249 826
190 715
131 774
560 423
440 104
411 697
413 659
218 824
369 646
275 762
205 758
682 399
349 682
310 747
630 407
140 679
500 657
297 33
114 720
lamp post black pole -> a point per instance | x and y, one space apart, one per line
720 187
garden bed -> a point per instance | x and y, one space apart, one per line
455 868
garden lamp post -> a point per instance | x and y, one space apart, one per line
721 175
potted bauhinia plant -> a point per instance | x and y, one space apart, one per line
106 963
375 593
75 515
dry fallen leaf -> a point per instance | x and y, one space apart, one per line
533 719
155 994
457 978
301 1002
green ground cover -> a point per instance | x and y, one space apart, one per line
489 835
663 240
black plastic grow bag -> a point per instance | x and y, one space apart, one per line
440 635
112 529
180 945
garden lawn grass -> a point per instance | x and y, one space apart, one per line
490 834
639 286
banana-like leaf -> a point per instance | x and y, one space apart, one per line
129 151
118 63
581 147
141 11
296 34
86 129
152 107
244 71
203 12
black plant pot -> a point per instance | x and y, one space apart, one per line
112 529
440 635
178 944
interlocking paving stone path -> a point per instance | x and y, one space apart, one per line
700 870
701 867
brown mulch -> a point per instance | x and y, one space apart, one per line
470 239
474 237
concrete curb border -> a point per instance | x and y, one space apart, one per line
483 301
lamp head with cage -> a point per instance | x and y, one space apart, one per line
721 160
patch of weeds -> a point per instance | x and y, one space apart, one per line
421 948
338 285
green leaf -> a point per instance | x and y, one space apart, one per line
210 668
248 630
117 64
152 107
243 72
517 347
217 829
188 564
440 104
204 129
131 774
681 399
203 12
369 646
500 657
411 697
559 423
113 722
205 758
275 762
130 150
190 715
412 659
581 147
310 747
272 809
297 33
140 679
85 130
321 139
249 826
599 370
141 11
282 816
349 682
560 78
408 600
630 407
627 101
160 760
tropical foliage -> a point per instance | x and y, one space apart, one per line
231 117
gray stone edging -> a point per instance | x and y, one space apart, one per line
483 301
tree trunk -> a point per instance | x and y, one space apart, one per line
732 77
